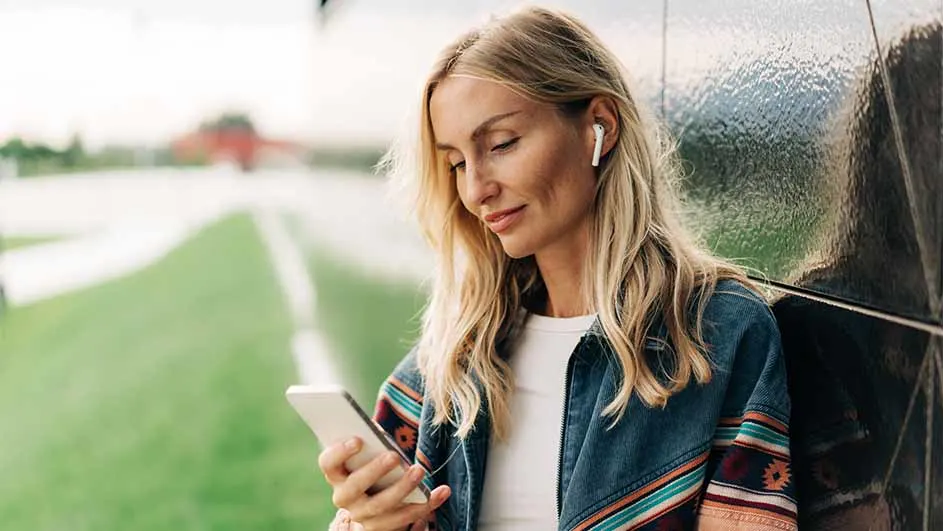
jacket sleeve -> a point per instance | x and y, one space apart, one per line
399 408
749 484
399 405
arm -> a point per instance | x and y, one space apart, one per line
399 405
750 484
398 411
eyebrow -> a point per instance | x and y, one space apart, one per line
482 127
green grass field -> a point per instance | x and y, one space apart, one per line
370 323
155 402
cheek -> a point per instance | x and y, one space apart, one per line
539 170
458 184
465 207
561 177
466 210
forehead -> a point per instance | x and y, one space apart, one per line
459 104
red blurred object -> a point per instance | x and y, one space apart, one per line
237 145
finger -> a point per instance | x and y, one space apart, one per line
393 495
439 496
332 459
408 514
420 525
359 481
399 519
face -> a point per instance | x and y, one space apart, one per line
521 167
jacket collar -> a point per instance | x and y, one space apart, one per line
475 453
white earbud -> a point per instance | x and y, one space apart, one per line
597 150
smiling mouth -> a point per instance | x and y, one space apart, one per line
501 221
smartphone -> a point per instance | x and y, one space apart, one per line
334 416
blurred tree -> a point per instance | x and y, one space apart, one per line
35 158
229 121
32 158
74 154
14 148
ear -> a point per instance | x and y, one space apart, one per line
603 110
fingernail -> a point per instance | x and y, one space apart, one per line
352 444
390 459
416 473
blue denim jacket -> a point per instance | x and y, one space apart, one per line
715 457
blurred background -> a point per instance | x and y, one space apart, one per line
191 222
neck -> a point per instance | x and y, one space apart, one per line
561 269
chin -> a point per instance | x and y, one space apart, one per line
516 249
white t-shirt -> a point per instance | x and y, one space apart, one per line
520 487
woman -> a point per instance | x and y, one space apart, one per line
582 363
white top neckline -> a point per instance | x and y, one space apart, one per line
544 323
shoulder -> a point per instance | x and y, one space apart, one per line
399 402
733 305
745 348
735 316
407 377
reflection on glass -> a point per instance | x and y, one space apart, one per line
751 92
859 389
881 243
761 97
866 391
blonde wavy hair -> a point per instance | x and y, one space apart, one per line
642 264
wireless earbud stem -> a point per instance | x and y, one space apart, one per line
597 149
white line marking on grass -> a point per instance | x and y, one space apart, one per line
308 347
312 357
290 267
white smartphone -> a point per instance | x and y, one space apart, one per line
334 416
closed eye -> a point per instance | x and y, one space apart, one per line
505 145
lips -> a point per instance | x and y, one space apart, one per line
502 220
495 216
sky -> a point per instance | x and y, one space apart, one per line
144 71
132 73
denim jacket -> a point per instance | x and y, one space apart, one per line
715 457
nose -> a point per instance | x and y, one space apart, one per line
479 185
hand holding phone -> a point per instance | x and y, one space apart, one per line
370 476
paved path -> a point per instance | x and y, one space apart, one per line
124 220
38 272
